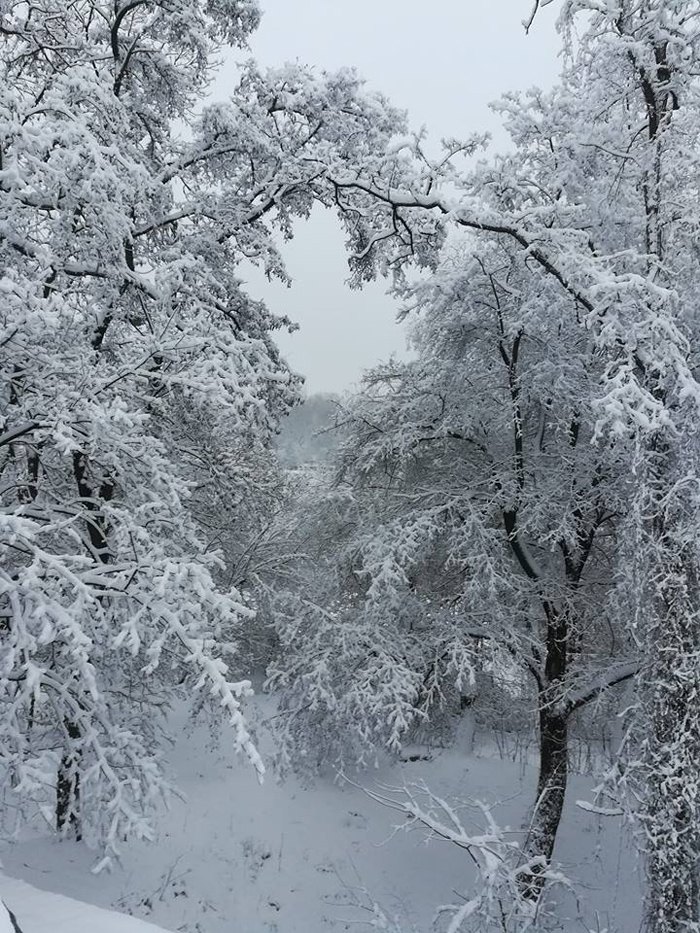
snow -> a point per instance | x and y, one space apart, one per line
5 924
310 857
41 912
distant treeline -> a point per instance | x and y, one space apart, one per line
310 432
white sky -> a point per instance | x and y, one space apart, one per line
442 60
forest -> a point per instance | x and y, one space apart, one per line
422 656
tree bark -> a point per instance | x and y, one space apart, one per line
554 752
68 817
551 791
670 814
68 786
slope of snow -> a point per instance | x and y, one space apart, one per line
41 912
296 857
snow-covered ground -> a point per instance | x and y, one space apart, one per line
41 912
290 857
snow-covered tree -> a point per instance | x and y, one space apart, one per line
480 522
123 317
601 202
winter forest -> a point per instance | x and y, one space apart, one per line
420 658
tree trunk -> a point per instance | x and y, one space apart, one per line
554 751
68 777
68 786
551 791
670 752
467 723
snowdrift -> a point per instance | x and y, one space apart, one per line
40 912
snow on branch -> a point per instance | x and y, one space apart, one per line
498 900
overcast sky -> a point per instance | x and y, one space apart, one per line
442 60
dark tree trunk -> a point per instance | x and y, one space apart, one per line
554 753
68 786
551 791
68 817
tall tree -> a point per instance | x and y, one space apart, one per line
600 199
481 520
485 447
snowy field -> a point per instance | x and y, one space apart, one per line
235 857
